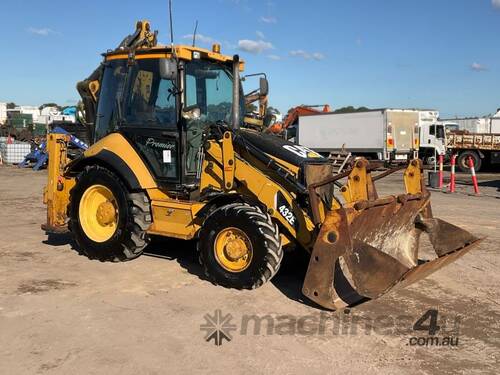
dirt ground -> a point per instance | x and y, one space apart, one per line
61 313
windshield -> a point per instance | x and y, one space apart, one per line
209 87
440 131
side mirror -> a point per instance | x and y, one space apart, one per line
168 69
264 86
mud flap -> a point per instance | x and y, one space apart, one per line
361 254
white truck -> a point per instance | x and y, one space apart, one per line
433 133
388 135
431 136
434 139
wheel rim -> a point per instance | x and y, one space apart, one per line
98 213
233 249
465 163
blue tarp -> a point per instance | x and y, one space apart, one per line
70 111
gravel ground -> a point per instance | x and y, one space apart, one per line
61 313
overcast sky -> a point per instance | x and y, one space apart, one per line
440 54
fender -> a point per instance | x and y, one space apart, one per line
116 153
223 199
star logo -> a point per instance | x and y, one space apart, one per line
218 327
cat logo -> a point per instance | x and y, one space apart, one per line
302 151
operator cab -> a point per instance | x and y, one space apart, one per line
164 106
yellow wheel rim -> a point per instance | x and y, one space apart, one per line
233 249
98 213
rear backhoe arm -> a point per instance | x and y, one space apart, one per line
56 193
89 92
89 88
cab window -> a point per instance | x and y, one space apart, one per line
151 102
432 130
112 85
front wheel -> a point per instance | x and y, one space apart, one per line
108 222
240 247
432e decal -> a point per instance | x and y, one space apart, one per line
285 210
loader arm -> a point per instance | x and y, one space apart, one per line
225 171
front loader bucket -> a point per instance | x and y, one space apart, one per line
369 246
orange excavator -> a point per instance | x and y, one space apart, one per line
293 115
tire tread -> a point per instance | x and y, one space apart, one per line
270 234
138 207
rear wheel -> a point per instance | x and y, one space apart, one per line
463 161
108 222
240 247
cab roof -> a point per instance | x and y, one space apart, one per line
183 52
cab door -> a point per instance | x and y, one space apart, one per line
150 120
208 88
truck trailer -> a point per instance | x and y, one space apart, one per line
388 135
478 139
480 147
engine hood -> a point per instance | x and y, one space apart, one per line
279 148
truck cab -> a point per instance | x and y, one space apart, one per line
432 141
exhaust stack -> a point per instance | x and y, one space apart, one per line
236 92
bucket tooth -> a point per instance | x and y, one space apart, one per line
445 237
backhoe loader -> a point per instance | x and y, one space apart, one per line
169 158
